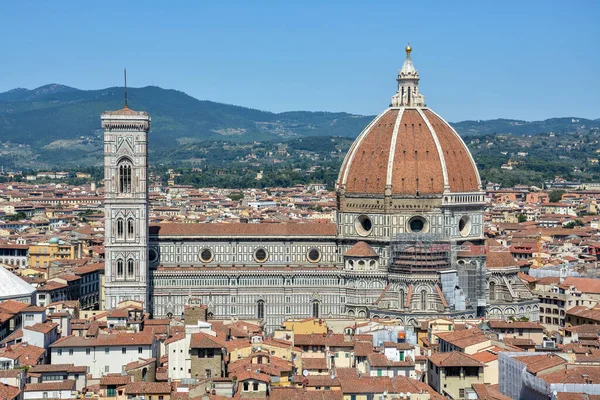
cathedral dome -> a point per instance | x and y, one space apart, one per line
408 150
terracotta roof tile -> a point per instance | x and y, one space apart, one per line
287 393
9 392
45 327
26 354
380 360
361 249
147 388
239 229
584 285
57 368
486 391
202 340
574 374
500 324
12 306
463 338
454 359
312 363
113 339
116 379
538 363
48 386
485 356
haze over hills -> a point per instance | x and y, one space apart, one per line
58 123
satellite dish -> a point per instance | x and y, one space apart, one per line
305 372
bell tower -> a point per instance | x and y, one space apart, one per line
126 206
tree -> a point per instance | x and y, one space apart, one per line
556 195
522 218
236 196
18 216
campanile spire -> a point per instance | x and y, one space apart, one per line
408 85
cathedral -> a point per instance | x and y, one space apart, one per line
408 242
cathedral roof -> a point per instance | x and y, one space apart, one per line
240 229
361 249
408 150
13 286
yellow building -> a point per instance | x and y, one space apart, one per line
41 254
437 325
239 350
451 373
305 326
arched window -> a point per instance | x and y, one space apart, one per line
260 309
402 298
492 290
130 267
423 300
120 268
130 228
124 176
120 228
315 309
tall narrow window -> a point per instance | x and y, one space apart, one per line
260 309
423 300
401 302
492 290
120 228
315 309
130 228
120 268
125 177
130 268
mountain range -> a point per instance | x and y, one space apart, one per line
57 122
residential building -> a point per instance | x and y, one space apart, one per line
104 354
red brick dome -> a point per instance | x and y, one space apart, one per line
412 151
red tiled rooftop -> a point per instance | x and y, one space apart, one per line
454 359
240 229
539 363
361 249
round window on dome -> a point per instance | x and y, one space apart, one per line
313 255
363 225
153 255
261 255
418 225
206 255
464 225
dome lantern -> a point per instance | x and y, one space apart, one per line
408 94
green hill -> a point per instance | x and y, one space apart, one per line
56 125
54 112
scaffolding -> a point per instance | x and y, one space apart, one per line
472 281
418 253
461 269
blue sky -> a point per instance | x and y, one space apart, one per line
477 60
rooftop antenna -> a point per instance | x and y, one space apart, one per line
125 75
